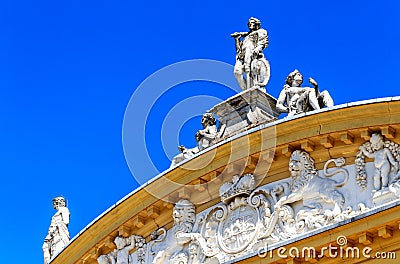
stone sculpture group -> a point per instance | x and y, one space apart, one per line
249 217
254 106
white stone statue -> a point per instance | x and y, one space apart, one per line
295 99
107 259
121 255
124 245
58 235
249 217
172 246
311 189
250 59
205 138
383 160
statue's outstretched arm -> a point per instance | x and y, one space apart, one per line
280 103
366 153
315 84
390 157
237 36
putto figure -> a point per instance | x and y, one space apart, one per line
250 59
58 235
295 99
383 158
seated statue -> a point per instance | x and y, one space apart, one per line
295 99
204 138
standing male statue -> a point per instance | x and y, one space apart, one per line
250 59
58 235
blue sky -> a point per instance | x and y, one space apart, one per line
69 68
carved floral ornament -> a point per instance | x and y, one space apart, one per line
248 216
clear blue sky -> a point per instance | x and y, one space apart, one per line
69 68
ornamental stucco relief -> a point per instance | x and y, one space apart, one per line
172 246
385 174
122 255
248 217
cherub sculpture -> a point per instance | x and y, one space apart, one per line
107 259
124 245
383 161
121 255
295 99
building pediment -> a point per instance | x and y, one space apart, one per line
321 134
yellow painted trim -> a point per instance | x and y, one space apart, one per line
290 133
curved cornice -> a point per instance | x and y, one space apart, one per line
326 133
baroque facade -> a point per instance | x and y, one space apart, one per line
327 178
322 184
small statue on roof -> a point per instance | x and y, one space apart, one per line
58 235
295 99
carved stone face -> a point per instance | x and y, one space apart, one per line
119 242
295 166
294 79
208 120
297 79
184 211
178 213
55 205
376 142
58 202
253 24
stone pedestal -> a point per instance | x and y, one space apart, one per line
383 197
245 110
